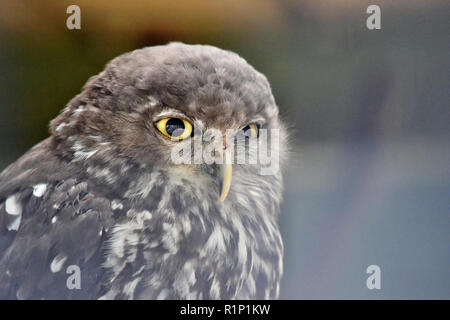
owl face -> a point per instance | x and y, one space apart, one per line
197 111
205 148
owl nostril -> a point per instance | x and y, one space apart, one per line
215 154
218 152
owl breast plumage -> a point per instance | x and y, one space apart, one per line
101 197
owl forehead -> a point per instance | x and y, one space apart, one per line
211 86
215 86
213 105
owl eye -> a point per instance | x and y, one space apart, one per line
251 131
174 128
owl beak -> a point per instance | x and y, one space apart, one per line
227 173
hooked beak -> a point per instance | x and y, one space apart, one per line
227 173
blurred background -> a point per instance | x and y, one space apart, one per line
369 111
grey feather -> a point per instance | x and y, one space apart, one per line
102 194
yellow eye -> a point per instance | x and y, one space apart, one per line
174 128
251 131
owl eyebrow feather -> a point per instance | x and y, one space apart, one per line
169 112
257 120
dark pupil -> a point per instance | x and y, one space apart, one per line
175 125
247 131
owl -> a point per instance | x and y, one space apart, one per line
102 210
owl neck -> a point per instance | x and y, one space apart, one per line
177 236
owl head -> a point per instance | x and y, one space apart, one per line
195 111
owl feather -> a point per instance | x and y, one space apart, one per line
103 194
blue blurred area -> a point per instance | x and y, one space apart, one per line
368 111
351 206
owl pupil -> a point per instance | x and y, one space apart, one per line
175 127
247 131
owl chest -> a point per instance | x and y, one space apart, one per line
194 257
